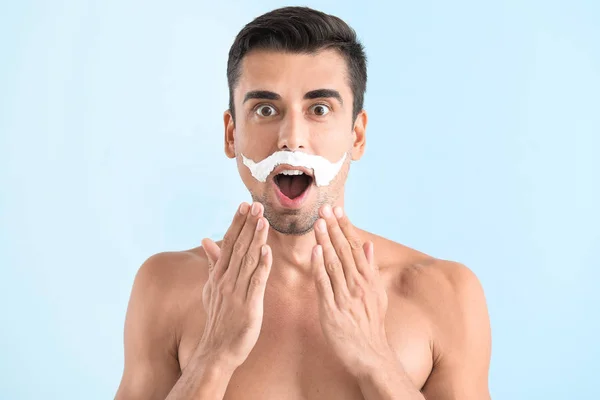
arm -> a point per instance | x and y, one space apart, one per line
232 296
352 307
151 364
202 379
461 365
463 356
353 303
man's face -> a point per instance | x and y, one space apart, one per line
299 103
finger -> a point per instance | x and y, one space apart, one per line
342 247
240 248
333 265
212 251
322 281
252 257
354 241
230 238
258 281
369 252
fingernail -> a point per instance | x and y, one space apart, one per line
338 212
263 250
327 211
255 209
243 208
260 224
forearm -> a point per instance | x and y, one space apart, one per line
388 382
202 379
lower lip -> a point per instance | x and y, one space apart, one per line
291 203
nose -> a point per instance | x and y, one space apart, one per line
293 132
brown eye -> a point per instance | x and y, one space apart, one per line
320 109
265 111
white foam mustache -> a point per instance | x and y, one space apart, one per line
323 170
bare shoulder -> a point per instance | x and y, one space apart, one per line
454 299
451 299
447 292
168 280
442 284
174 266
153 324
438 283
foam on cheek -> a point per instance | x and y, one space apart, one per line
323 170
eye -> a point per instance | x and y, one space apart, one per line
265 110
320 109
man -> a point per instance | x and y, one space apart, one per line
296 302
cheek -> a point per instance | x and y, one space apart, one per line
252 141
335 188
255 143
332 142
340 179
244 171
251 183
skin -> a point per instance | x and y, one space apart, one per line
326 313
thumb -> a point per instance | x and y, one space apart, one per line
368 249
213 252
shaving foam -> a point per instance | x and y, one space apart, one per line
323 170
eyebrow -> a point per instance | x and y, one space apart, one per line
313 94
261 94
324 93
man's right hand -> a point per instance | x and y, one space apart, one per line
234 293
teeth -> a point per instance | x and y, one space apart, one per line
291 172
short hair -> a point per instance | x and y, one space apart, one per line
300 30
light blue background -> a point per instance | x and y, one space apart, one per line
483 148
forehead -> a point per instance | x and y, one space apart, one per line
291 73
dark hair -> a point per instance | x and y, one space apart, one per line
300 30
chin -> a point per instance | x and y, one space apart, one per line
291 221
292 229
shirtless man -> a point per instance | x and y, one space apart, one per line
296 302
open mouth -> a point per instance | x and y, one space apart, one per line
293 186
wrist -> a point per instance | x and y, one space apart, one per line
376 368
387 380
204 377
215 364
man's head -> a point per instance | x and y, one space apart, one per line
297 79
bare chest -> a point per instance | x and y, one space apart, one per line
292 360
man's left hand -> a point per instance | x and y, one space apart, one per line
352 297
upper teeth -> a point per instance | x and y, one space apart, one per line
291 172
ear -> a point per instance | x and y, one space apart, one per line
359 134
229 134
